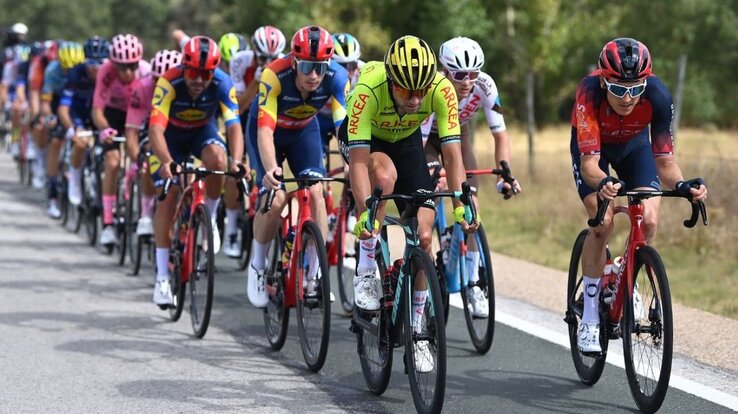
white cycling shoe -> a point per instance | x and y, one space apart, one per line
108 235
366 289
144 227
256 289
588 339
478 302
423 357
53 210
163 293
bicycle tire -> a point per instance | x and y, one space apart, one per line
276 314
589 368
202 277
376 350
314 342
345 279
482 331
659 331
133 211
62 196
441 270
428 389
175 276
90 215
121 222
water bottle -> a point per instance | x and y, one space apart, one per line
350 222
287 247
331 227
452 268
389 283
610 278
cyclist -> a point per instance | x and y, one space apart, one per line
183 121
75 109
14 36
112 92
55 77
139 108
230 44
610 121
347 55
14 89
282 124
462 59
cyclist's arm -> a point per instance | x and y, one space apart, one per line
245 99
668 171
362 106
160 106
229 112
269 90
445 105
64 104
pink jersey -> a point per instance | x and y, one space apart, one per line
139 106
110 91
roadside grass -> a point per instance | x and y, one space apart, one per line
540 224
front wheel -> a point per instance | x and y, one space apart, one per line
133 213
202 277
648 331
276 314
589 367
425 336
346 252
481 329
313 300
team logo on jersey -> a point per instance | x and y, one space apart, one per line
452 103
159 95
301 112
232 95
264 90
191 115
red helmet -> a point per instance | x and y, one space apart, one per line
312 43
625 59
201 52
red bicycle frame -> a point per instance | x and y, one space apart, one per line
339 213
194 194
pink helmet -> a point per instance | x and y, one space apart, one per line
268 41
126 49
165 60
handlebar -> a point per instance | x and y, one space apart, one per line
199 173
635 196
503 172
421 196
96 134
302 183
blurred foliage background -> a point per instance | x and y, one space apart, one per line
557 40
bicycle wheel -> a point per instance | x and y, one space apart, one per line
62 196
133 213
121 222
346 258
375 343
246 227
482 330
276 314
440 265
648 331
425 341
314 309
589 368
202 278
175 259
89 201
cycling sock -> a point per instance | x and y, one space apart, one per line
312 256
591 299
259 255
75 174
212 204
15 134
418 309
366 253
162 264
232 222
108 201
472 265
147 206
52 187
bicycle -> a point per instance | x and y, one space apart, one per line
379 332
288 280
191 257
341 244
639 311
137 245
451 265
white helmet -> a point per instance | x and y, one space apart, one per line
461 54
19 28
268 41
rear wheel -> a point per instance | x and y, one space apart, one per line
89 200
313 302
202 277
276 314
589 367
133 213
62 196
482 330
648 331
246 228
425 342
121 222
346 250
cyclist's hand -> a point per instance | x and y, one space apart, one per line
270 180
459 218
695 188
50 121
107 134
71 132
608 188
360 229
165 170
235 167
508 190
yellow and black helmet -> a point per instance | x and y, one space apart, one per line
70 54
410 63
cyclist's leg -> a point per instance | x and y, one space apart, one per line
208 146
638 169
56 140
112 156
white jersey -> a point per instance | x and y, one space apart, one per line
484 94
243 70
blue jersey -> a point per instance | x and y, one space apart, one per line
54 80
77 95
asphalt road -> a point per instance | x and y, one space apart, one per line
78 334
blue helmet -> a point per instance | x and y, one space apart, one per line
97 48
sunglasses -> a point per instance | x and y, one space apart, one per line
94 62
126 66
620 90
461 76
406 94
306 67
194 73
350 66
265 58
